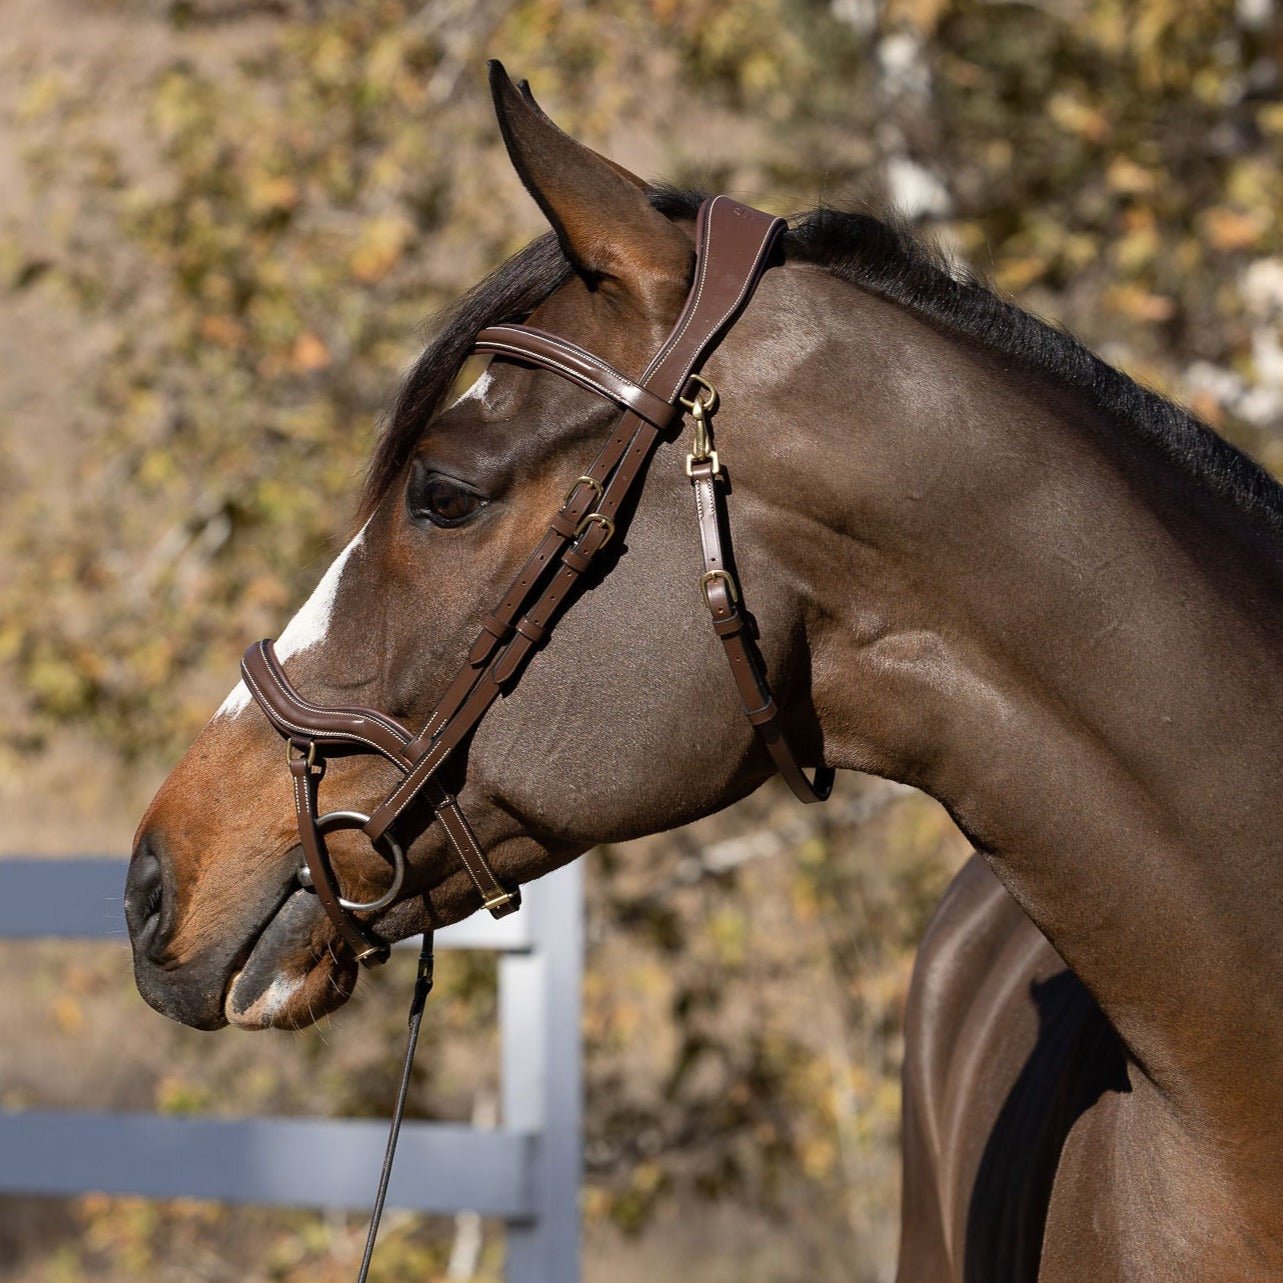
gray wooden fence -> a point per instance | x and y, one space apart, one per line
526 1171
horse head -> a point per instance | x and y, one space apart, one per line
624 724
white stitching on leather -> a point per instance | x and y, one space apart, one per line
464 860
705 259
282 720
394 797
750 281
294 698
569 350
618 389
421 773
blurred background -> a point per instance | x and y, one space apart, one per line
222 226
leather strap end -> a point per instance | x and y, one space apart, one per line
481 649
822 785
503 905
374 955
564 523
511 659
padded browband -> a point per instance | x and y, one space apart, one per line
536 347
733 243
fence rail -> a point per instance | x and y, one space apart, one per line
527 1171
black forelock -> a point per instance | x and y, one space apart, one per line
510 293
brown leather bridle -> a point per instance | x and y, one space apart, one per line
732 245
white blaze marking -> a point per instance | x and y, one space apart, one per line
477 392
312 623
306 629
237 699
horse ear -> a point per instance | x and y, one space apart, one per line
626 174
606 224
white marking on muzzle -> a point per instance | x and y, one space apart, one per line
262 1010
308 628
279 992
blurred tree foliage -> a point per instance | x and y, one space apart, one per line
248 234
265 245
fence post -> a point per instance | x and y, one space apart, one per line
540 1004
528 1172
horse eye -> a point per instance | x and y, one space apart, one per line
440 500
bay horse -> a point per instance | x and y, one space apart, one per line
981 561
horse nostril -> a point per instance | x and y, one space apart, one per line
145 895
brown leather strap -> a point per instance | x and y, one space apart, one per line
307 771
497 898
525 343
303 722
722 597
297 718
499 625
733 243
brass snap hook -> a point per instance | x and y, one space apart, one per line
700 405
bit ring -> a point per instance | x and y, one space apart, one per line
356 820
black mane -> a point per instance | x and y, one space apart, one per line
884 258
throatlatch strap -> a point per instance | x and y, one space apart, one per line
733 243
722 596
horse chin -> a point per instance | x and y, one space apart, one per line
293 975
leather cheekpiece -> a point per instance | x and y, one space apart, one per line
733 247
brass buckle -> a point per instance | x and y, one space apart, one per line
584 481
727 578
600 520
291 747
496 900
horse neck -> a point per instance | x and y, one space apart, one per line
1041 619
